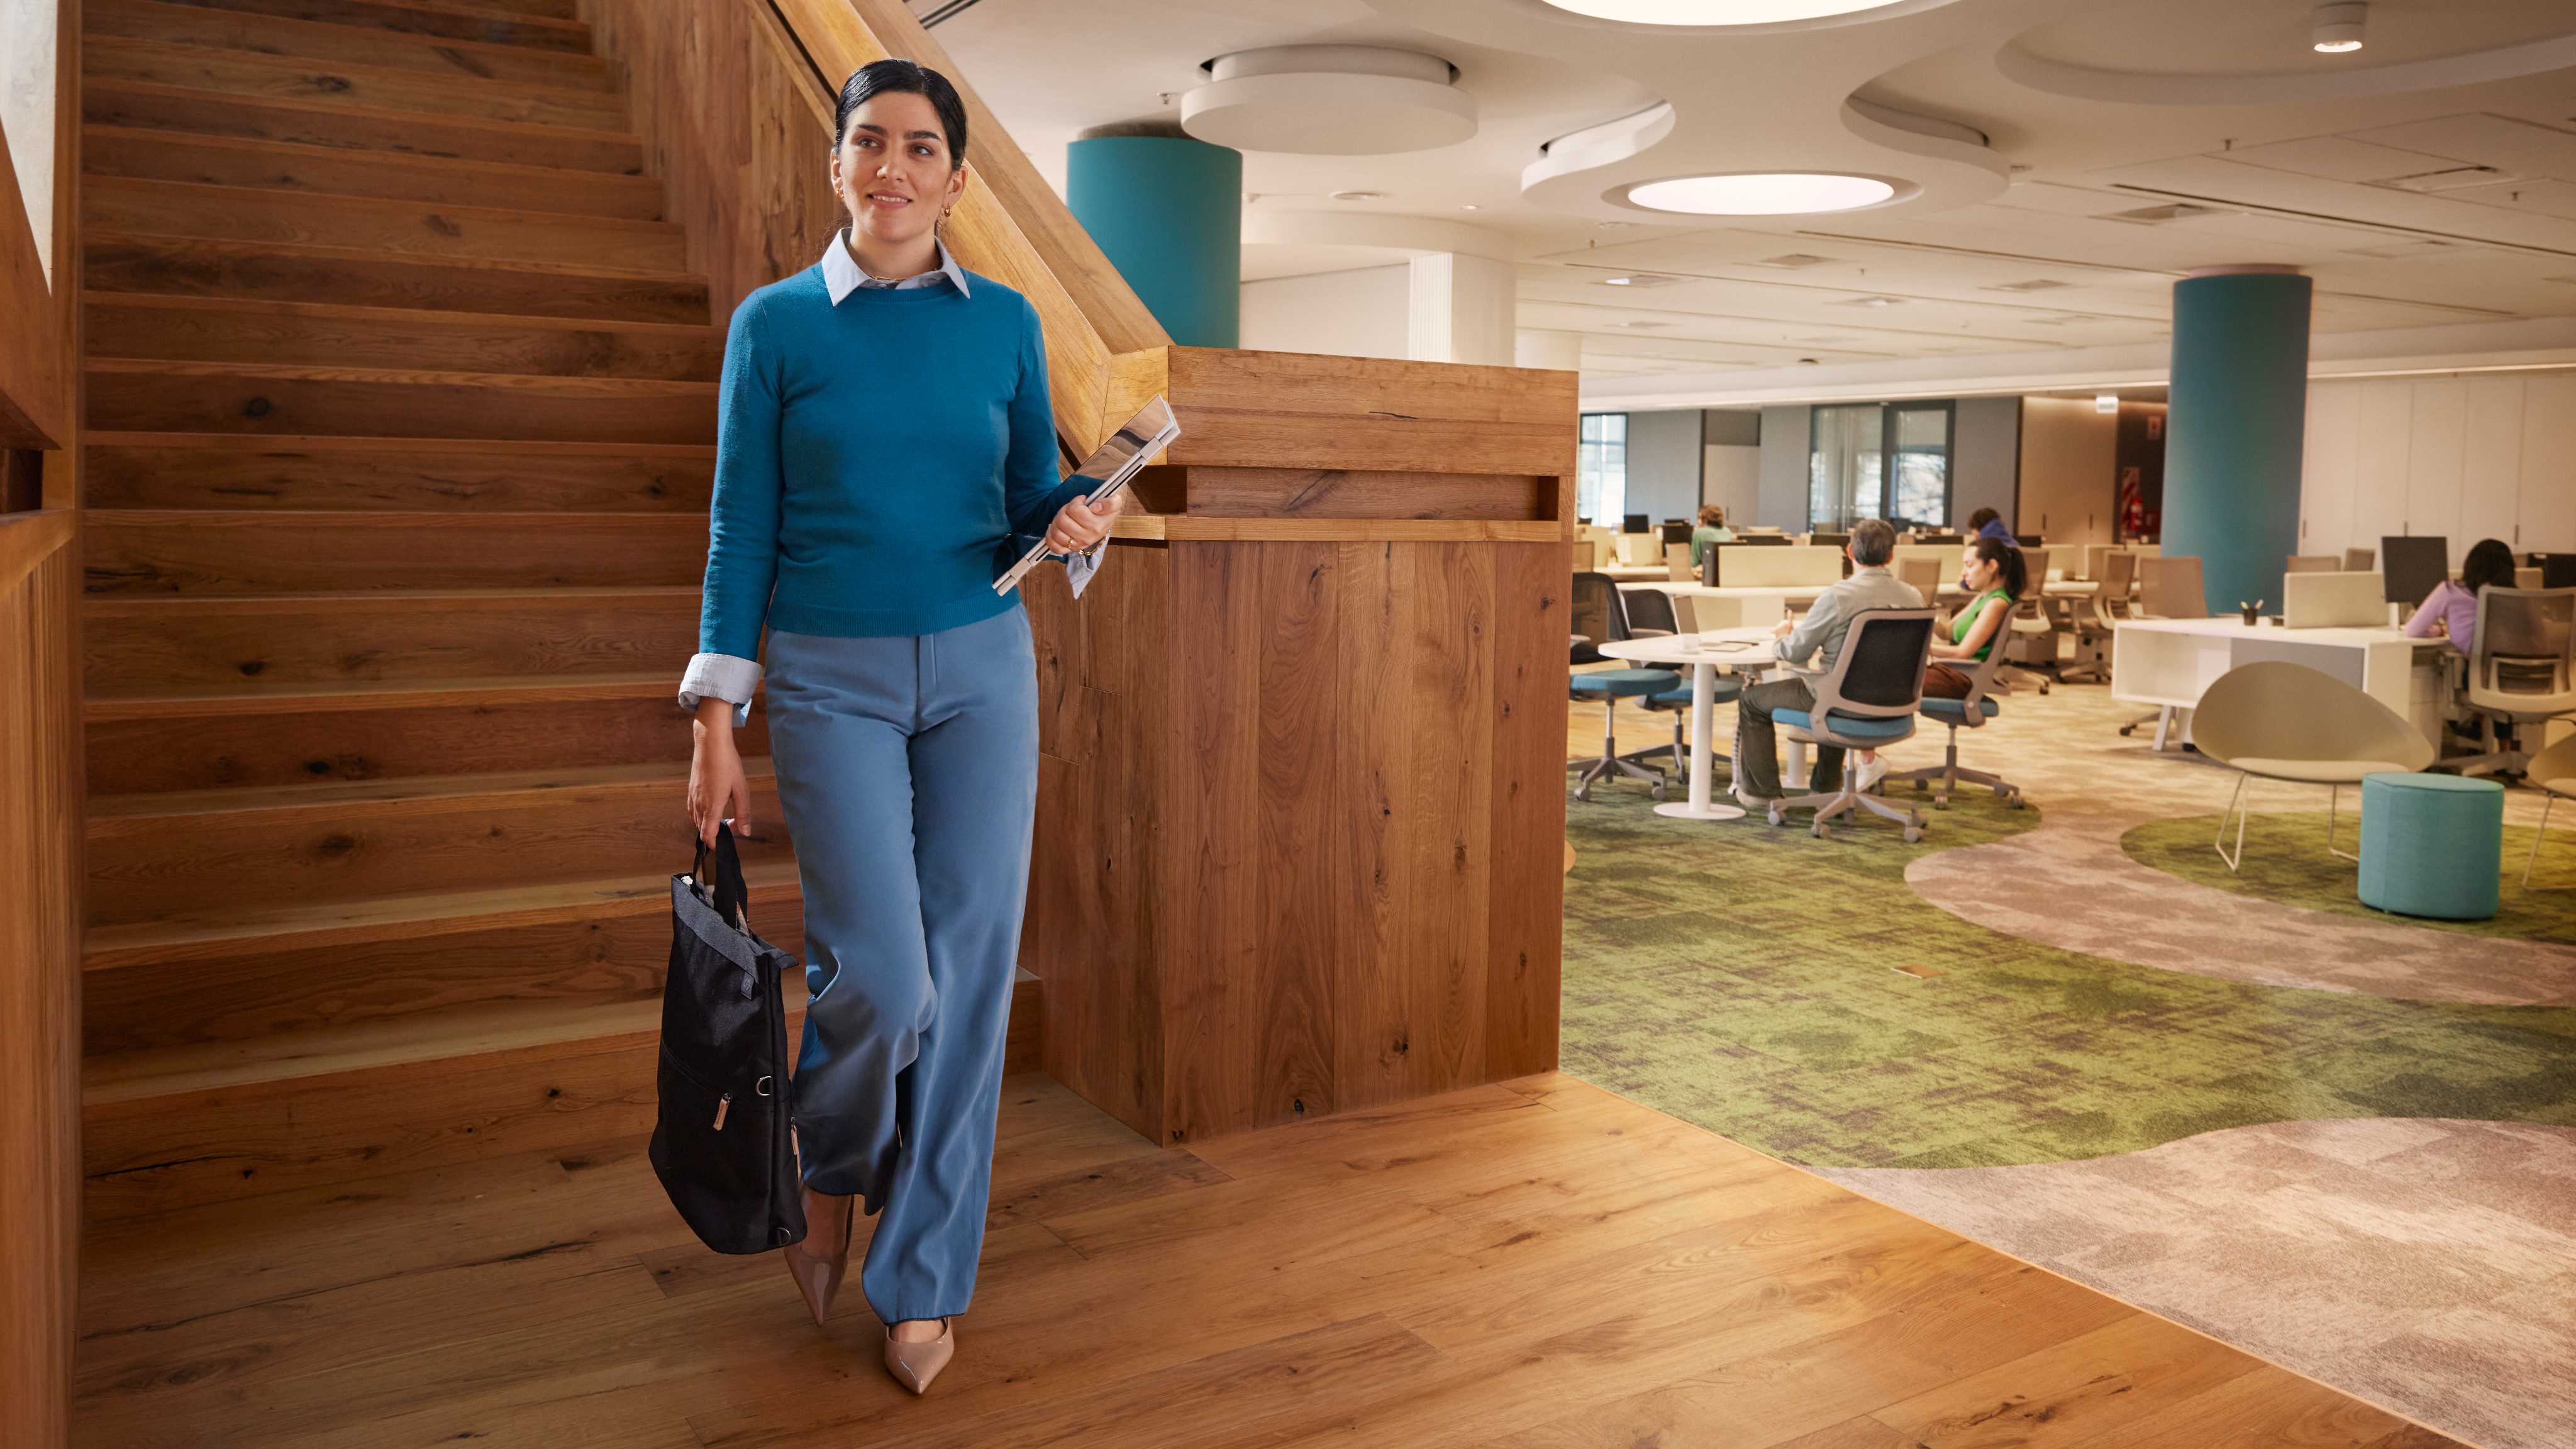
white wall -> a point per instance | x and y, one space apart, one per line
2467 457
1461 309
1731 478
1350 314
28 46
1663 464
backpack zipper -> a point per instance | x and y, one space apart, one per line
724 1104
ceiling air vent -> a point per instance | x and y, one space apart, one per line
2449 178
2159 215
2035 284
1791 261
1643 279
2400 250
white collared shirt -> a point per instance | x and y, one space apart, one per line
733 678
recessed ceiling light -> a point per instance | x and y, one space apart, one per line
1359 196
2338 26
1871 302
1791 261
2035 284
1714 12
1642 279
1470 206
1766 193
2106 402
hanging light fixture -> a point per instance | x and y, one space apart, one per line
1714 12
2338 25
1774 193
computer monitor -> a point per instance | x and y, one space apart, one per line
1638 523
1774 540
1676 531
2412 565
1829 540
2029 540
2557 570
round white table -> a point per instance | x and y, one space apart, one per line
1706 653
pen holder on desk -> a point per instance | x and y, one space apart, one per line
2253 611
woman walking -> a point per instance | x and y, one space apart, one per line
884 433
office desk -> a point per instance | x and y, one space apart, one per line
1725 607
1706 652
2168 662
1636 573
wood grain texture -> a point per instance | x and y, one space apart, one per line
135 207
338 86
231 551
346 171
207 470
1532 1266
1335 493
464 57
544 25
293 272
321 122
148 395
238 329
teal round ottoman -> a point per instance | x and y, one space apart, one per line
2431 845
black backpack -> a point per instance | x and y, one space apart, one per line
724 1145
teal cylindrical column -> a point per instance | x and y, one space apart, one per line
1168 211
2234 428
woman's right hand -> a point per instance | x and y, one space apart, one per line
717 789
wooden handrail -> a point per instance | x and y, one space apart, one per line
1012 226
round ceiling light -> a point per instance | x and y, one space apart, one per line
2338 25
1760 193
1329 100
1704 13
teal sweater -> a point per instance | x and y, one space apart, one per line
875 461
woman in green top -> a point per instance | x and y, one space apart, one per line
1712 529
1992 573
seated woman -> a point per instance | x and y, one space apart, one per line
1712 529
2451 610
1994 577
1986 523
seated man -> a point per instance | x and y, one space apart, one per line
1871 586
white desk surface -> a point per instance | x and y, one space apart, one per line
2231 628
1635 573
1746 646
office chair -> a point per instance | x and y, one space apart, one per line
2360 560
1923 575
1677 563
2168 588
1969 713
2522 669
2281 721
1600 618
2097 618
2316 563
2553 773
1652 611
1867 701
2034 631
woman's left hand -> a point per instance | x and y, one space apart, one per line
1080 524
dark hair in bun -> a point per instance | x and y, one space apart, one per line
903 77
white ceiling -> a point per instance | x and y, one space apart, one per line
2362 180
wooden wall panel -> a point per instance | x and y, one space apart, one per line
1525 935
40 937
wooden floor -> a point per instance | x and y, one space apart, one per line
1536 1263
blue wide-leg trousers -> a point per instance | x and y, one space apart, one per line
907 770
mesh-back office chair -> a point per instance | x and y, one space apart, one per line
1677 563
1600 618
1867 701
2522 669
2553 773
2284 721
2098 616
2168 588
2360 560
1958 714
1923 575
2315 563
2033 640
1652 611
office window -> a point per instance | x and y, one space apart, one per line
1919 442
1601 469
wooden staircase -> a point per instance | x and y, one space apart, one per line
400 411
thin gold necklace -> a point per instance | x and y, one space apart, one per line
873 277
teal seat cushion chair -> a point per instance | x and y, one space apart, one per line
1955 711
1611 686
1851 727
2431 845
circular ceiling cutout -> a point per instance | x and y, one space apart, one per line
1760 193
1703 14
2228 52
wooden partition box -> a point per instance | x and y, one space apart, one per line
1301 795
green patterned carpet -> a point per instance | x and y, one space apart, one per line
2286 861
1752 981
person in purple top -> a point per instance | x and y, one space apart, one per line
1986 523
2451 610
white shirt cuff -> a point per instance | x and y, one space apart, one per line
1079 567
721 676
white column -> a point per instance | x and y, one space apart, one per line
1461 309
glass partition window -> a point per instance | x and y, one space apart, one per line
1919 441
1601 469
1878 460
1843 466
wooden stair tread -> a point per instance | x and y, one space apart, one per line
540 11
392 1042
408 316
404 789
180 199
385 694
306 925
557 48
291 168
359 130
218 246
329 111
341 442
145 606
555 384
130 59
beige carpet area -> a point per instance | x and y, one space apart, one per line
2339 1140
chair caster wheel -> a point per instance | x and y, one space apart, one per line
1912 835
1774 814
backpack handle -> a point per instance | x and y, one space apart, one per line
730 896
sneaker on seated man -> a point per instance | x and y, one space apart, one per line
1820 633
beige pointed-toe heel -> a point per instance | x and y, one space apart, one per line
914 1365
818 1262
